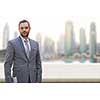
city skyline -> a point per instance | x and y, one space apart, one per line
71 49
55 36
49 16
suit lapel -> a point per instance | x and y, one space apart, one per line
33 49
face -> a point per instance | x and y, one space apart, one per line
24 29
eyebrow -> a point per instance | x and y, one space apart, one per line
24 27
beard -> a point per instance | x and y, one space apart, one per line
24 34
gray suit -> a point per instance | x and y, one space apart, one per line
23 67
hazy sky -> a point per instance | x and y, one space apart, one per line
49 16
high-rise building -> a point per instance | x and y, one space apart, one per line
15 34
74 44
60 45
39 40
49 48
92 40
68 38
83 46
5 35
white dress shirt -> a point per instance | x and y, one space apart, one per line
23 40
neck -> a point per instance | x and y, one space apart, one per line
25 38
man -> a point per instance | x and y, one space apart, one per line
23 57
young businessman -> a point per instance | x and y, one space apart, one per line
23 57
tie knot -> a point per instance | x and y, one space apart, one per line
26 41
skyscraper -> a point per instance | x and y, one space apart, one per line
92 41
68 38
49 48
39 40
5 35
60 45
15 34
82 41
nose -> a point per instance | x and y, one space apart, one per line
23 28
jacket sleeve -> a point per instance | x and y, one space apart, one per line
39 66
8 62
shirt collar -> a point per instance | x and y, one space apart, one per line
23 39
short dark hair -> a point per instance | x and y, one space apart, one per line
23 21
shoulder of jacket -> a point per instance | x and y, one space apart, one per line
13 40
34 41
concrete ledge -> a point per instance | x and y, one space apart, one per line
60 72
66 81
71 81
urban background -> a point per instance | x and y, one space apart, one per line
66 48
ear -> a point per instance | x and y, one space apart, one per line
30 28
18 28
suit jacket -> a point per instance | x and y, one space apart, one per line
22 66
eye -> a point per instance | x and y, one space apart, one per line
22 28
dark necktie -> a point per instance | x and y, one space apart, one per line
27 48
